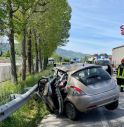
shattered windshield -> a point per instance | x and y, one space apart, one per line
92 75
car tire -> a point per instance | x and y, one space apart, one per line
121 89
70 111
112 106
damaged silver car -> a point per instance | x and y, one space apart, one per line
78 88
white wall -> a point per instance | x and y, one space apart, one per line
5 71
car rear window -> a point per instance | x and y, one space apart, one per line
91 75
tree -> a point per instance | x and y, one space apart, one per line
36 52
54 27
7 10
27 9
24 11
29 52
40 25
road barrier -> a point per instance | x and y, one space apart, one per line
10 107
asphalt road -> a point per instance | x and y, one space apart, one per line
96 118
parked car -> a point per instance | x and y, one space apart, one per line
78 88
51 61
103 62
106 65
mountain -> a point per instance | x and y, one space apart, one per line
69 53
4 47
62 52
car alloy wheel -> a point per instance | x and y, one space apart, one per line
70 111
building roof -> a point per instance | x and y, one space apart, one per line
118 47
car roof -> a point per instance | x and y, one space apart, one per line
72 68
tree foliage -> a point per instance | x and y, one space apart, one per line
39 25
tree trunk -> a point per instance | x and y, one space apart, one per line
29 53
12 46
40 60
32 65
45 62
36 55
24 54
40 57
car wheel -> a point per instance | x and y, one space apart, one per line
70 111
121 89
112 106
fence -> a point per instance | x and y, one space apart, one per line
18 100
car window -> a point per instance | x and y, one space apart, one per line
92 75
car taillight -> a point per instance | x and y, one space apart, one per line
77 91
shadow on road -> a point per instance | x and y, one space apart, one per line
91 118
85 120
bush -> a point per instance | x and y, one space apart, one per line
6 54
28 115
66 60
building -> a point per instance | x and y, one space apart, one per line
117 55
96 57
75 60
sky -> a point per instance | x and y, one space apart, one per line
95 26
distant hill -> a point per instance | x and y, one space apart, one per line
4 47
69 53
62 52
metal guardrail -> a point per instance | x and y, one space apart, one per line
10 107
